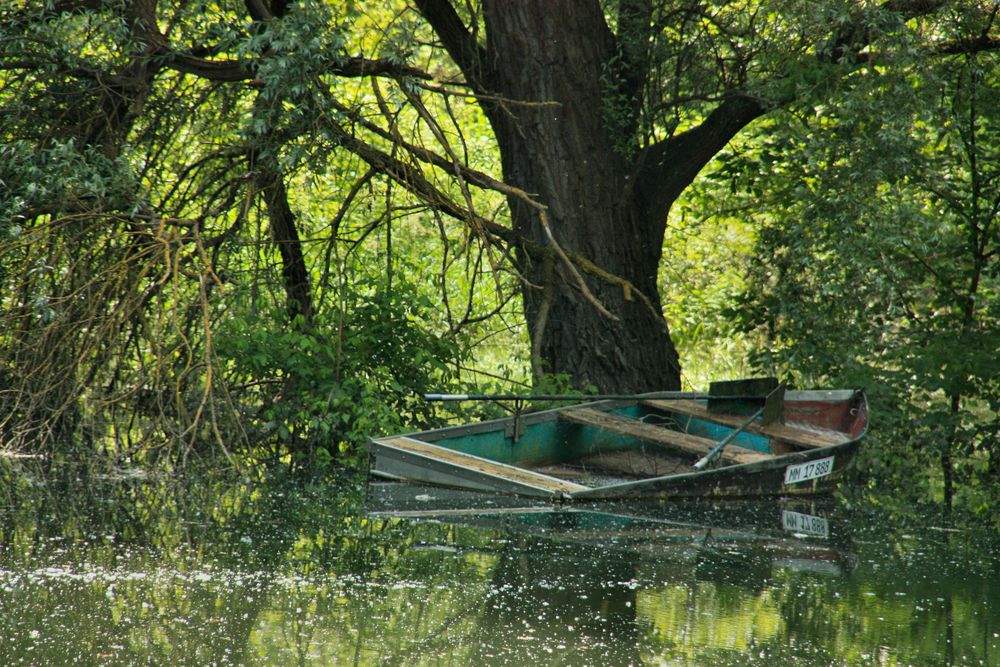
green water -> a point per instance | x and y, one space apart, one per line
111 571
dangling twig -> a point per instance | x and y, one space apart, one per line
580 282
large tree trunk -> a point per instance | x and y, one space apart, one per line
556 146
564 95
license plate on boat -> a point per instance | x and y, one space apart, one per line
806 524
801 472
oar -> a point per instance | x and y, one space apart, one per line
730 390
771 411
664 395
565 397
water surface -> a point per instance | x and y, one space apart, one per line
134 571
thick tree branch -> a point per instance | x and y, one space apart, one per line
213 70
294 272
259 10
244 70
458 41
669 166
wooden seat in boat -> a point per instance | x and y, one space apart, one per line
794 434
684 443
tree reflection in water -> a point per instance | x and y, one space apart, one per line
214 570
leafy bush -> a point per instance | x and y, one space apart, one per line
318 390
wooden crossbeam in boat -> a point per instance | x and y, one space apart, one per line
810 438
658 435
481 465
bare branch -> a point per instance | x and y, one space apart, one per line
578 280
244 70
458 40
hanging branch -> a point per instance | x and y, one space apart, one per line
580 283
411 178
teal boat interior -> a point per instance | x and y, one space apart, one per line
577 449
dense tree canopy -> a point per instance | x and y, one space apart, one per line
889 232
215 211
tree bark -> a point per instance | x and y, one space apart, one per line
294 272
556 145
546 69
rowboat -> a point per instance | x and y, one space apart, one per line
652 446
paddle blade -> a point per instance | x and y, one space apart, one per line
728 395
774 406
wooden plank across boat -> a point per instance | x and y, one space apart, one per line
640 447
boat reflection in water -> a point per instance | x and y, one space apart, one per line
584 579
788 532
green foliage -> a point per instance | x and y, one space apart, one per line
876 264
319 390
60 175
142 268
700 277
142 272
